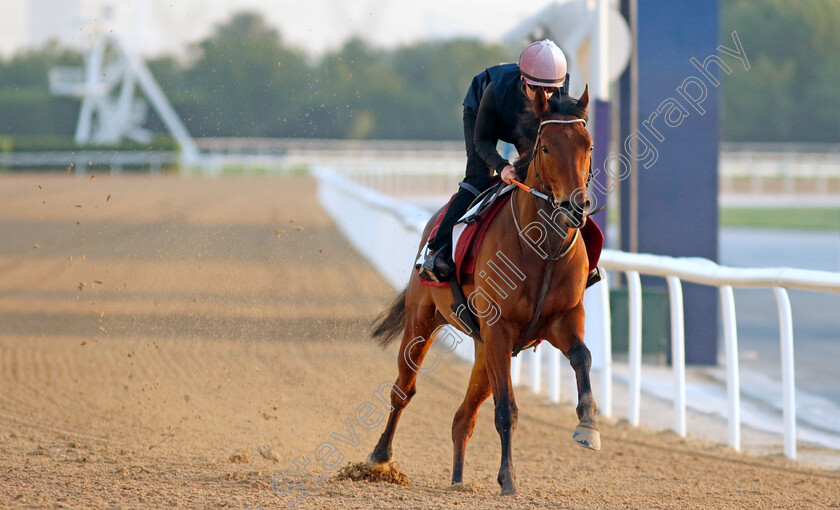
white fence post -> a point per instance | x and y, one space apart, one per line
554 380
516 370
733 378
536 370
678 352
603 291
634 304
788 385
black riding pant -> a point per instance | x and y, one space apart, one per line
478 175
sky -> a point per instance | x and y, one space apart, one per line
316 26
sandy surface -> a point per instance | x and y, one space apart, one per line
172 342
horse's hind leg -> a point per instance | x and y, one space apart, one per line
586 434
416 341
464 422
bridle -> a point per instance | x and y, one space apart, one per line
549 196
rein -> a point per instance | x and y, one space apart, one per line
553 258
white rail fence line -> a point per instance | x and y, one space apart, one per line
387 232
798 168
705 272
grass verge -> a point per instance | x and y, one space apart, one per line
793 218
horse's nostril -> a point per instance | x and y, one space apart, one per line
580 206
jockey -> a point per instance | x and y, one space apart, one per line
492 108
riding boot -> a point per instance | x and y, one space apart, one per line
595 276
593 239
437 265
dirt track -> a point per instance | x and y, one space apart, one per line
155 332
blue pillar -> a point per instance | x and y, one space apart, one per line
600 112
669 203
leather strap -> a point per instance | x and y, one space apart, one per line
469 187
461 308
537 311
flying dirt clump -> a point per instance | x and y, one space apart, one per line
389 472
266 451
239 458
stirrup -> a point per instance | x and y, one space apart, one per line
595 276
435 268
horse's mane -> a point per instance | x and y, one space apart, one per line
529 124
529 121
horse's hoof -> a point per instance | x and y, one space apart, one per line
461 487
588 437
508 485
373 462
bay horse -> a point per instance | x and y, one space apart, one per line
543 301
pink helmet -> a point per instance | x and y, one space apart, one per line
543 64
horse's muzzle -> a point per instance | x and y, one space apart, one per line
574 213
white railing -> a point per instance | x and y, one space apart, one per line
384 230
746 170
780 170
353 207
705 272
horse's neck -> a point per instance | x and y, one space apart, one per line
527 210
528 205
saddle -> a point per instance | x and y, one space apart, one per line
470 230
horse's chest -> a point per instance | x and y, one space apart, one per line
523 306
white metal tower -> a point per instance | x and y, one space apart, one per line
108 87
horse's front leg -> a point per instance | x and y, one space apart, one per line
566 334
497 356
586 433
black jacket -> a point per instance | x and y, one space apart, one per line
497 96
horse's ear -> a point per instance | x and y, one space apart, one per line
583 102
540 104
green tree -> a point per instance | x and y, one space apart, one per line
26 105
413 92
437 75
362 81
246 82
791 91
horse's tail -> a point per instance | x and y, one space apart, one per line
391 322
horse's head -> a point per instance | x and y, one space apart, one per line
560 159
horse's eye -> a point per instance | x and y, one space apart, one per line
591 147
545 149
